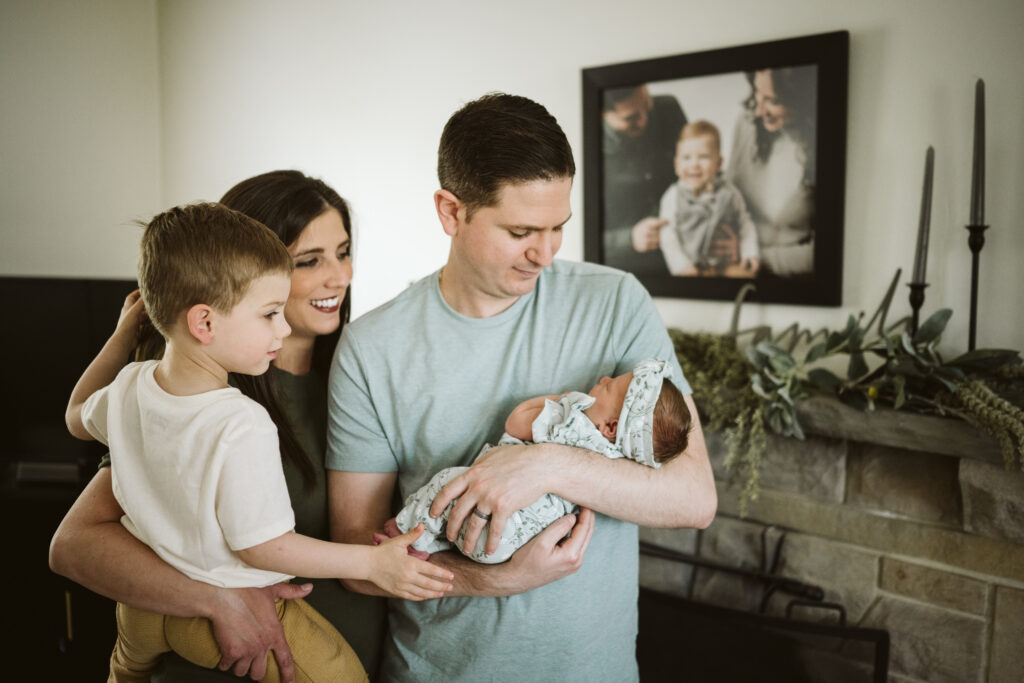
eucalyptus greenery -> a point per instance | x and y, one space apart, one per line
744 394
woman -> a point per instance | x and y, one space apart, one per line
92 548
772 165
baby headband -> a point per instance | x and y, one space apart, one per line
637 417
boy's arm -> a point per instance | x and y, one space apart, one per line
388 565
360 504
520 421
108 362
91 547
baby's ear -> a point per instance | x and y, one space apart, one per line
610 428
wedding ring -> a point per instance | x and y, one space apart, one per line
482 515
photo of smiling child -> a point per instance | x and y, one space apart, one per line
709 231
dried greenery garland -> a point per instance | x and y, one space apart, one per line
744 393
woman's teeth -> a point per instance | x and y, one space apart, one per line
325 303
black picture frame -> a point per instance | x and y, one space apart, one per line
821 61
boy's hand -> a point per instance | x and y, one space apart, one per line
404 576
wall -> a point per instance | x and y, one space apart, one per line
79 135
357 93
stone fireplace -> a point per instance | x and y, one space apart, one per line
910 522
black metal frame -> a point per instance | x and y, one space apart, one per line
830 53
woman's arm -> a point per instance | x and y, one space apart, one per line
92 548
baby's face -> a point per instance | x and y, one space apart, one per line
609 395
698 162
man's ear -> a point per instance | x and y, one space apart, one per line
200 323
610 428
448 206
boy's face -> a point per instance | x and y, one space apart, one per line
503 248
698 162
609 395
246 339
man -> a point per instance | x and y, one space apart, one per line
639 146
422 382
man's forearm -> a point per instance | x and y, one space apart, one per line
681 493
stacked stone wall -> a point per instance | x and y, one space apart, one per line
911 523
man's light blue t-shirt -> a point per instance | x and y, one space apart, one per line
416 387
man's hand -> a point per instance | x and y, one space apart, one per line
550 556
647 233
502 481
547 557
246 628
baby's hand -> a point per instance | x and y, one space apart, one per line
404 576
391 530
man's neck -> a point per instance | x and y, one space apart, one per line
468 300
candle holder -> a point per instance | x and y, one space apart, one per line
916 300
975 241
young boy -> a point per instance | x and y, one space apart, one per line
640 415
195 464
703 208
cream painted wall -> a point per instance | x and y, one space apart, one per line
357 93
79 135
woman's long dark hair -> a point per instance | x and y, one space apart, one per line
796 89
286 202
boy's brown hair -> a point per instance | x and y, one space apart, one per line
670 423
207 254
702 128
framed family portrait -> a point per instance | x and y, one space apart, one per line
710 170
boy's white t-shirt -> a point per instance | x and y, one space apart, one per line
198 477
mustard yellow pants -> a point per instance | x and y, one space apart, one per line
321 654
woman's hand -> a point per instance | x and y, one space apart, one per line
247 629
131 321
405 576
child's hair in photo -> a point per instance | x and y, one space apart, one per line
671 423
701 128
204 253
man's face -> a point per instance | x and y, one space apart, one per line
502 249
629 116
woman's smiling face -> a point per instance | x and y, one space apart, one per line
323 270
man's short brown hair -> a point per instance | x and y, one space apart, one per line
500 140
204 254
